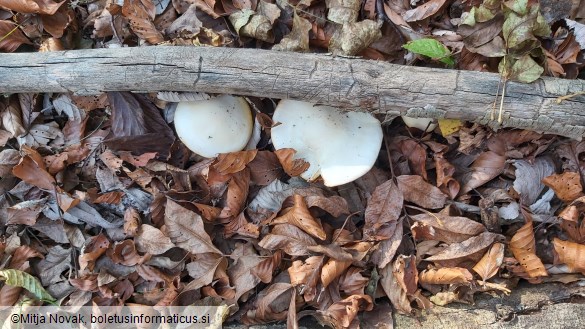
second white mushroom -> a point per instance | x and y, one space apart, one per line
339 146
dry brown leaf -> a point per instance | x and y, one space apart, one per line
567 186
203 269
490 263
265 268
300 216
416 190
572 221
271 304
382 212
335 205
265 168
186 230
240 225
441 227
471 249
305 274
151 240
288 238
8 159
56 24
423 11
231 163
292 167
352 282
137 160
21 255
96 247
141 21
570 253
332 251
150 273
523 247
446 275
137 124
31 169
86 282
415 154
208 213
237 193
406 273
445 172
11 36
384 251
46 7
114 197
486 167
125 253
333 269
240 273
131 222
394 291
343 314
25 212
298 38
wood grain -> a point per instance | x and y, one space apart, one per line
379 87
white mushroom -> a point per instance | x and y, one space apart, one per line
339 146
424 124
218 125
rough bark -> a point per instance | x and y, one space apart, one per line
375 86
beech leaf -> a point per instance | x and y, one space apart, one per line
186 230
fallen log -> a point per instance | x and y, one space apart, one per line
544 306
375 86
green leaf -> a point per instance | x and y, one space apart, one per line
541 27
431 48
24 280
517 29
483 14
518 6
469 18
526 70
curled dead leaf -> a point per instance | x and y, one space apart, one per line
332 270
446 275
342 314
231 163
572 220
570 253
437 226
490 263
486 167
567 186
416 190
523 247
292 167
382 212
300 216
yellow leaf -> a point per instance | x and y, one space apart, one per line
449 126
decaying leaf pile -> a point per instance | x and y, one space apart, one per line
103 204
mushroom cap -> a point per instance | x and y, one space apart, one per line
339 146
218 125
420 123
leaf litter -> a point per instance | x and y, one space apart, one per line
101 202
